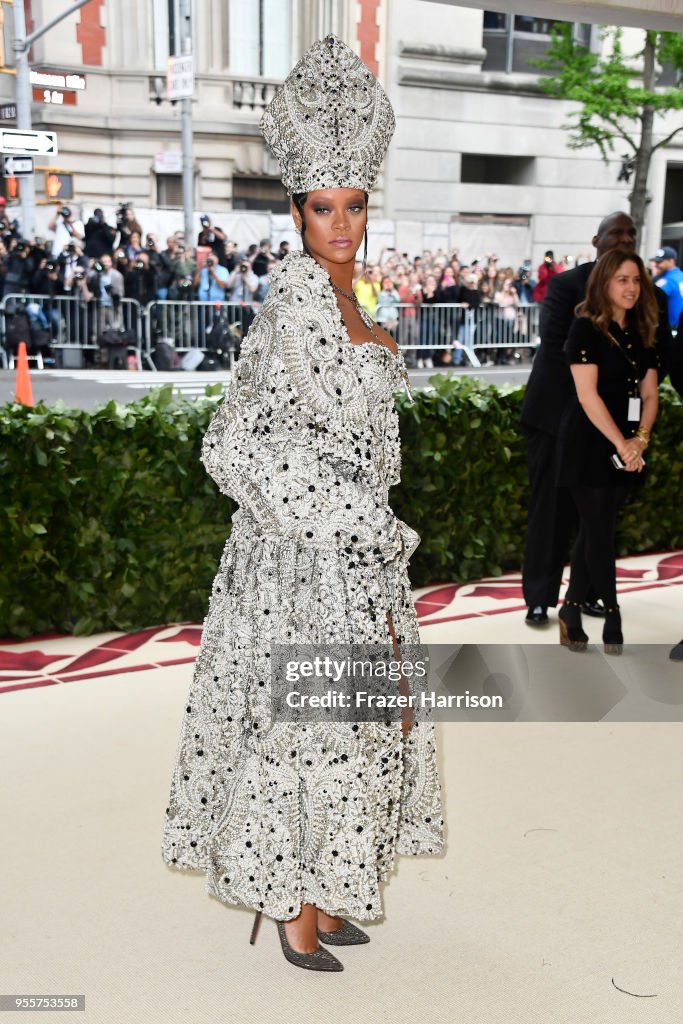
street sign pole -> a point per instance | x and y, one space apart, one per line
28 184
21 44
186 127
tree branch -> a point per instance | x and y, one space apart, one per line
667 140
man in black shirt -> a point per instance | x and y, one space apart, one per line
551 511
99 236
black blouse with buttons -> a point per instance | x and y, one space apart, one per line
584 453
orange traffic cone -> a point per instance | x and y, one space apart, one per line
23 392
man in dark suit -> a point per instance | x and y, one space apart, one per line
552 515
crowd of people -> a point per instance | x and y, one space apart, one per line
436 305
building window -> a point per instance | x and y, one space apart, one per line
170 191
329 15
259 194
511 40
496 169
261 38
166 35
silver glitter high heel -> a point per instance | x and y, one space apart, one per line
347 935
319 960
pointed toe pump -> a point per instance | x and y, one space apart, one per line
319 960
347 935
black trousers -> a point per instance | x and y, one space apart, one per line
594 556
551 522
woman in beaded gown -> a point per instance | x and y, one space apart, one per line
302 822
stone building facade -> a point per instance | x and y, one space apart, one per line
479 161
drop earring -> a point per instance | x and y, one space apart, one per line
365 250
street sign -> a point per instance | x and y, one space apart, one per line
180 78
17 166
27 143
57 80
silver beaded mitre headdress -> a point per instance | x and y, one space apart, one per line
330 122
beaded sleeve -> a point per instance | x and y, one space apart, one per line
287 446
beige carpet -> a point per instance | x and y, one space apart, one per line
562 875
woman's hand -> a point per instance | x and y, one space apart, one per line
631 454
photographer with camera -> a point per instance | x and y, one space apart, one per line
69 261
19 267
134 246
182 267
65 228
547 270
212 236
126 224
260 262
141 281
212 281
45 280
242 283
158 265
99 236
106 283
524 286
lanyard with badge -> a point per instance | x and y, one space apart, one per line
634 402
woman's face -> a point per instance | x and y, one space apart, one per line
624 287
388 284
335 222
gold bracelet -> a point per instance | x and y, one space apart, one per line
643 434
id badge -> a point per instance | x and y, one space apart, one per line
634 410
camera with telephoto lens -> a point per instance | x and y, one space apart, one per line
204 221
139 265
210 262
65 212
181 249
244 267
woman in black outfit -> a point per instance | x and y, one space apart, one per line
611 356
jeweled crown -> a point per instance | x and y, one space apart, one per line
330 122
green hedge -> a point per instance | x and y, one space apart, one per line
109 520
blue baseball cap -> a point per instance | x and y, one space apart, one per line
665 253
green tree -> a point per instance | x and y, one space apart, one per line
619 100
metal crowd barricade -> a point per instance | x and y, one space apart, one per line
72 323
427 328
188 324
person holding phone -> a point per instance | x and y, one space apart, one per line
606 428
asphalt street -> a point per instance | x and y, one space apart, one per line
86 389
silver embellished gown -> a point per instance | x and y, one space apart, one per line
306 441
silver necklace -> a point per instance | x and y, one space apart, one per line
364 315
